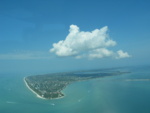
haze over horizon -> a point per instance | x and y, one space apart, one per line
51 36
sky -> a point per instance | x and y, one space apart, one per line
42 36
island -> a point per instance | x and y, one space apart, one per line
50 86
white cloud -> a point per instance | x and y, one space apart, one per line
122 54
81 44
100 53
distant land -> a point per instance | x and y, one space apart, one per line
50 86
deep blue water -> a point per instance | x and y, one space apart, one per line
114 94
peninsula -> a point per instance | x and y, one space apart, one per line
49 86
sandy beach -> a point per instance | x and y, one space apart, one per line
32 90
37 94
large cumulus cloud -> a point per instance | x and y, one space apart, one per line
94 44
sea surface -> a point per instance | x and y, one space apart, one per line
127 93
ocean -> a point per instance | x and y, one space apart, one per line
127 93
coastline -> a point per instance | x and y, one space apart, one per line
32 90
37 95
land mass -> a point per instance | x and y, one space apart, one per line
49 86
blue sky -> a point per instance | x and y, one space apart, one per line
29 28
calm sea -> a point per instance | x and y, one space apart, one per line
128 93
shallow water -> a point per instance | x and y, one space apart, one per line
104 95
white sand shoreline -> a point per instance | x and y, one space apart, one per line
32 90
37 94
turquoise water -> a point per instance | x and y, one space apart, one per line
104 95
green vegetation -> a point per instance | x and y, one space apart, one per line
49 86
